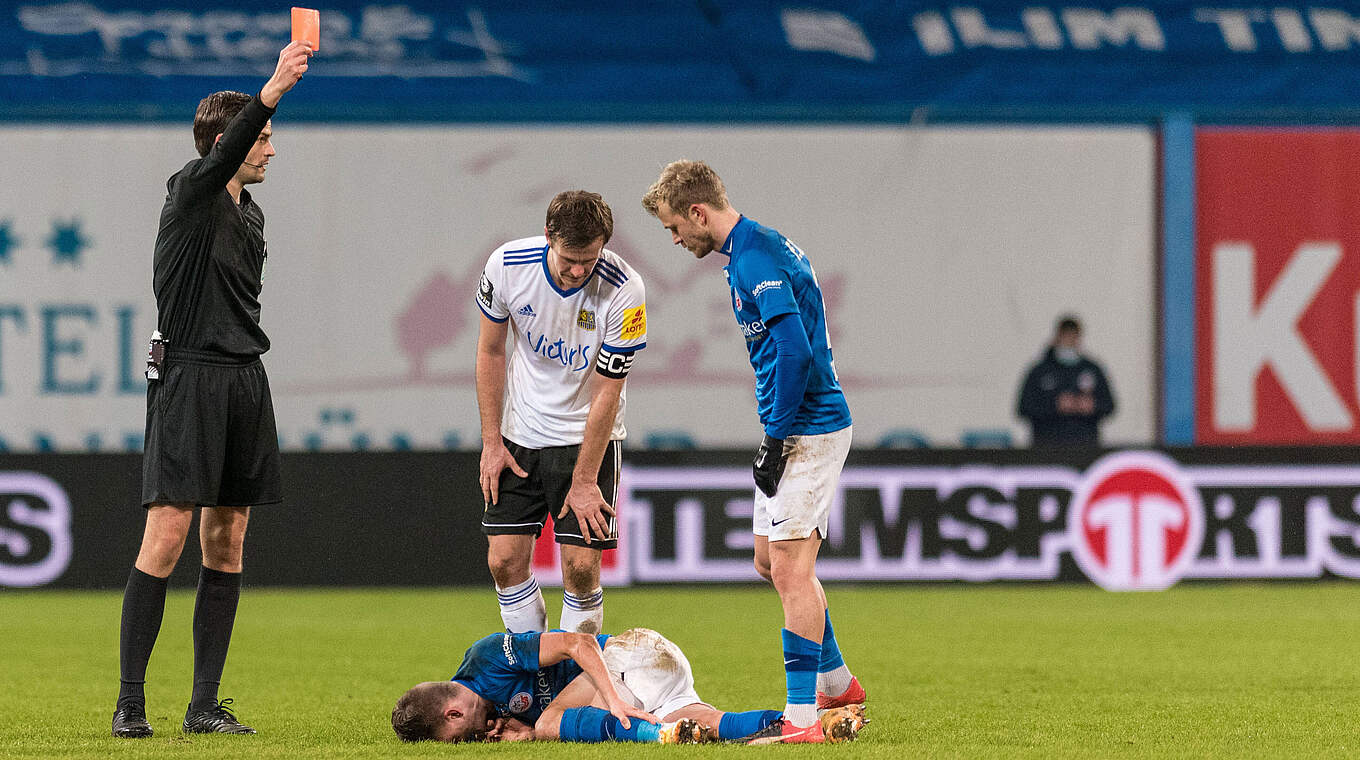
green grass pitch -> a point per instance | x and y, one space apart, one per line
1021 671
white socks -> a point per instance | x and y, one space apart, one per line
800 715
522 608
833 683
583 613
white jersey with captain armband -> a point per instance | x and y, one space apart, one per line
562 340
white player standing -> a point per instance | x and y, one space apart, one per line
552 414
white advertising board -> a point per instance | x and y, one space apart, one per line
945 255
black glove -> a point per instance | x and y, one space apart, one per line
769 465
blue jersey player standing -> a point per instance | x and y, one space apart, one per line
778 305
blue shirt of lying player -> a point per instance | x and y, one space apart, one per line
504 669
509 678
529 686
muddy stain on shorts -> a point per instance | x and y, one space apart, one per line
648 649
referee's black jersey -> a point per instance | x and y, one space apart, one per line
210 252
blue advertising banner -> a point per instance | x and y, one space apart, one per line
616 60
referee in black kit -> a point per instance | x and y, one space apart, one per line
210 436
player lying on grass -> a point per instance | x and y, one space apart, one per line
576 687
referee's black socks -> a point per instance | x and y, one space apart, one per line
214 616
143 608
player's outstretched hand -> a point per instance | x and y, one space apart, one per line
623 711
592 511
292 65
495 458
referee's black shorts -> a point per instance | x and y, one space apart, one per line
210 435
526 502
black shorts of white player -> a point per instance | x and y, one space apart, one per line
552 406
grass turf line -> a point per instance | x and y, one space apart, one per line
1021 671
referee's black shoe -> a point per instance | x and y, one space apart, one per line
129 720
215 720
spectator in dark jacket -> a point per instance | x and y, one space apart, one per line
1065 395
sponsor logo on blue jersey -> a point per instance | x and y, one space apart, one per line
752 331
766 285
508 649
574 358
544 690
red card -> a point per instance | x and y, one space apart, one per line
307 26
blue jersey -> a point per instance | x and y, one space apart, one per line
769 277
503 669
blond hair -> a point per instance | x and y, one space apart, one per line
684 183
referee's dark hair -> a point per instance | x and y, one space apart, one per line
213 114
1068 323
576 218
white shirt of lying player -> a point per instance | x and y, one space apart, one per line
562 339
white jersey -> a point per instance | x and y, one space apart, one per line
552 367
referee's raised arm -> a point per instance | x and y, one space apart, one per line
292 65
224 151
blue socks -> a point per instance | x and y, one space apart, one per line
833 678
593 725
831 654
801 658
736 725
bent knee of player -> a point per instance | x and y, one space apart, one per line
705 714
792 578
507 567
763 567
548 726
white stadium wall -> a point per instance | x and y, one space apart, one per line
945 254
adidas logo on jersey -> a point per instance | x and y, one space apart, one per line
526 311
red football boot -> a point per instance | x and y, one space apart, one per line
783 732
854 695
